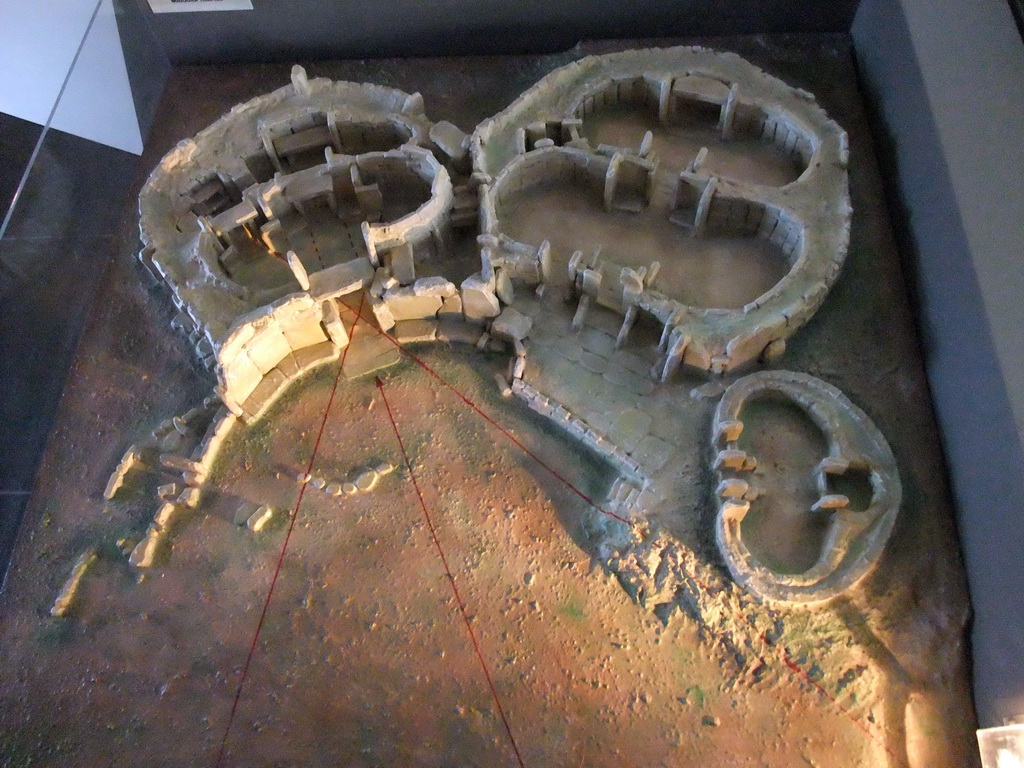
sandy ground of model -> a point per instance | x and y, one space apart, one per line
363 660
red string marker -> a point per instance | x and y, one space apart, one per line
515 441
284 547
451 577
782 652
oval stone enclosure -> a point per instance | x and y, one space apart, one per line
808 489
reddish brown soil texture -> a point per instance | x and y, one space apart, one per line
363 659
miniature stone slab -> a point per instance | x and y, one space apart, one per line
259 519
370 201
164 515
518 367
303 141
400 260
434 286
511 324
701 88
830 502
305 331
451 306
732 488
145 551
66 598
382 281
382 312
410 331
298 270
130 458
234 217
288 366
341 279
241 376
189 498
169 491
449 139
406 304
454 330
180 463
503 286
243 512
479 302
333 325
267 347
652 453
375 352
311 357
264 394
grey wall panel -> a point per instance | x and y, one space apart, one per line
277 30
19 137
945 79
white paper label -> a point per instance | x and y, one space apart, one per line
187 6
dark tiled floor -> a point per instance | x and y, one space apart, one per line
53 257
17 137
74 191
52 262
40 323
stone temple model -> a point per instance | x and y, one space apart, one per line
640 233
266 220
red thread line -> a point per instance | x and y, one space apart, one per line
498 426
789 662
451 577
783 654
284 547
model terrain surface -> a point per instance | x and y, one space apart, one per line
594 434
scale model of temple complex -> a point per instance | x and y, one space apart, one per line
640 234
266 222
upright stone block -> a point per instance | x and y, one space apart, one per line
406 304
298 270
479 302
333 325
402 265
382 312
450 139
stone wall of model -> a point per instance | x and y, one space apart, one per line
538 139
227 219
